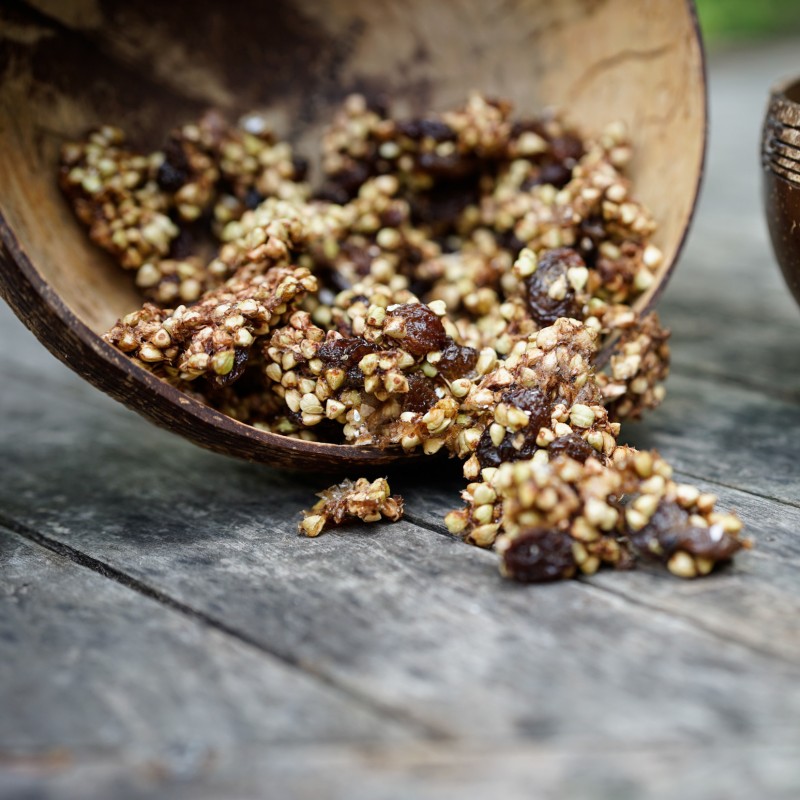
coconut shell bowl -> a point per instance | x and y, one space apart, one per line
780 160
70 65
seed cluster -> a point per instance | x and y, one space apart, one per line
361 499
447 287
563 512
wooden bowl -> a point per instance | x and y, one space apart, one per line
147 66
780 160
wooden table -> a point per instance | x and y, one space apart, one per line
165 632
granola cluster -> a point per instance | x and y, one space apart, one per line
448 286
565 511
361 499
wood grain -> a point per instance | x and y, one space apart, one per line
109 672
513 771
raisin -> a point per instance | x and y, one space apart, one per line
451 167
669 527
573 446
566 149
300 167
556 174
183 245
533 401
421 394
553 267
345 354
358 256
522 444
456 361
591 233
539 555
169 178
430 128
174 171
344 185
442 204
424 330
240 356
666 518
712 543
509 241
252 198
394 216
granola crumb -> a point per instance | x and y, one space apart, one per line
369 502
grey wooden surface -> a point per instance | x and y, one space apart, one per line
165 633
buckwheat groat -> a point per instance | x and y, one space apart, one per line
369 502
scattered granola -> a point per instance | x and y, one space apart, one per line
362 500
448 287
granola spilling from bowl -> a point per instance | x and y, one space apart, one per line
446 286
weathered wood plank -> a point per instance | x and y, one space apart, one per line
518 771
406 617
91 668
728 434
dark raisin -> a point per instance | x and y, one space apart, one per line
300 166
174 172
667 517
712 543
450 167
183 245
424 330
358 255
566 149
517 446
240 356
421 394
442 204
539 555
456 361
522 444
332 192
345 354
422 128
508 241
556 174
394 216
533 401
345 184
590 233
573 446
252 198
553 266
169 178
669 530
523 125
